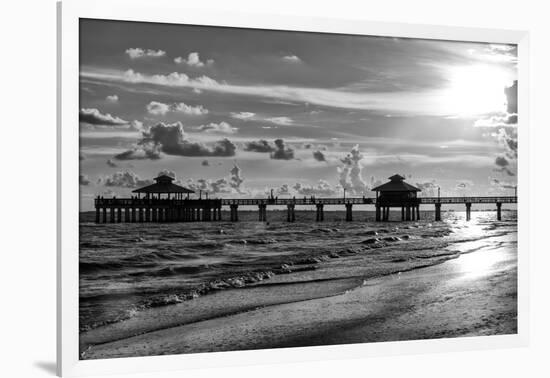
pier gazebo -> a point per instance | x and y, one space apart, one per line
397 193
164 185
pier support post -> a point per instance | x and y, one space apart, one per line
104 215
377 216
140 215
413 212
127 215
133 215
97 214
262 212
437 212
499 211
219 213
402 213
468 210
417 212
387 213
119 215
320 212
148 214
408 213
112 214
349 214
155 213
290 214
234 212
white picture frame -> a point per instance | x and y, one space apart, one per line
164 11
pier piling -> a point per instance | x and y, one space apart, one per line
437 212
349 214
468 210
499 211
320 212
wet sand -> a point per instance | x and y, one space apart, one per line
474 294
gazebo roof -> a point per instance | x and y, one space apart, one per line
396 184
163 184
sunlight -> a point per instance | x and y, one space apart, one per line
477 89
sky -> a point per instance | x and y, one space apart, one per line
239 112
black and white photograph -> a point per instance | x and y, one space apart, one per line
245 189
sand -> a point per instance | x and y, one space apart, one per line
474 294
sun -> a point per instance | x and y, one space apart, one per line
476 89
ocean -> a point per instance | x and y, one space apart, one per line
127 268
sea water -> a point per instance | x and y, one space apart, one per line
126 268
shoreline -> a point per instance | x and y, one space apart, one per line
473 294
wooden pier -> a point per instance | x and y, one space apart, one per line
178 207
138 210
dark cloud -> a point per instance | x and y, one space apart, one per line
261 145
319 156
95 117
126 179
282 152
171 139
83 180
502 164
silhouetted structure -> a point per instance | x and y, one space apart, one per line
397 193
177 206
164 185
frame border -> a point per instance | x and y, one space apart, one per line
166 11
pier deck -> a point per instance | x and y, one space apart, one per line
115 210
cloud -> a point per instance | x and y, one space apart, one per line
124 179
502 164
218 128
171 139
322 189
95 117
112 98
501 184
428 188
291 59
205 163
261 145
236 180
464 184
283 121
350 174
278 150
319 156
428 102
193 60
83 180
135 53
231 185
243 115
281 151
159 108
111 163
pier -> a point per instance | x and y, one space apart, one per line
167 202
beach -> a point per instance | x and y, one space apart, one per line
350 283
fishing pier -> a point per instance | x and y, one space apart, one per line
165 201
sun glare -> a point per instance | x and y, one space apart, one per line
477 89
